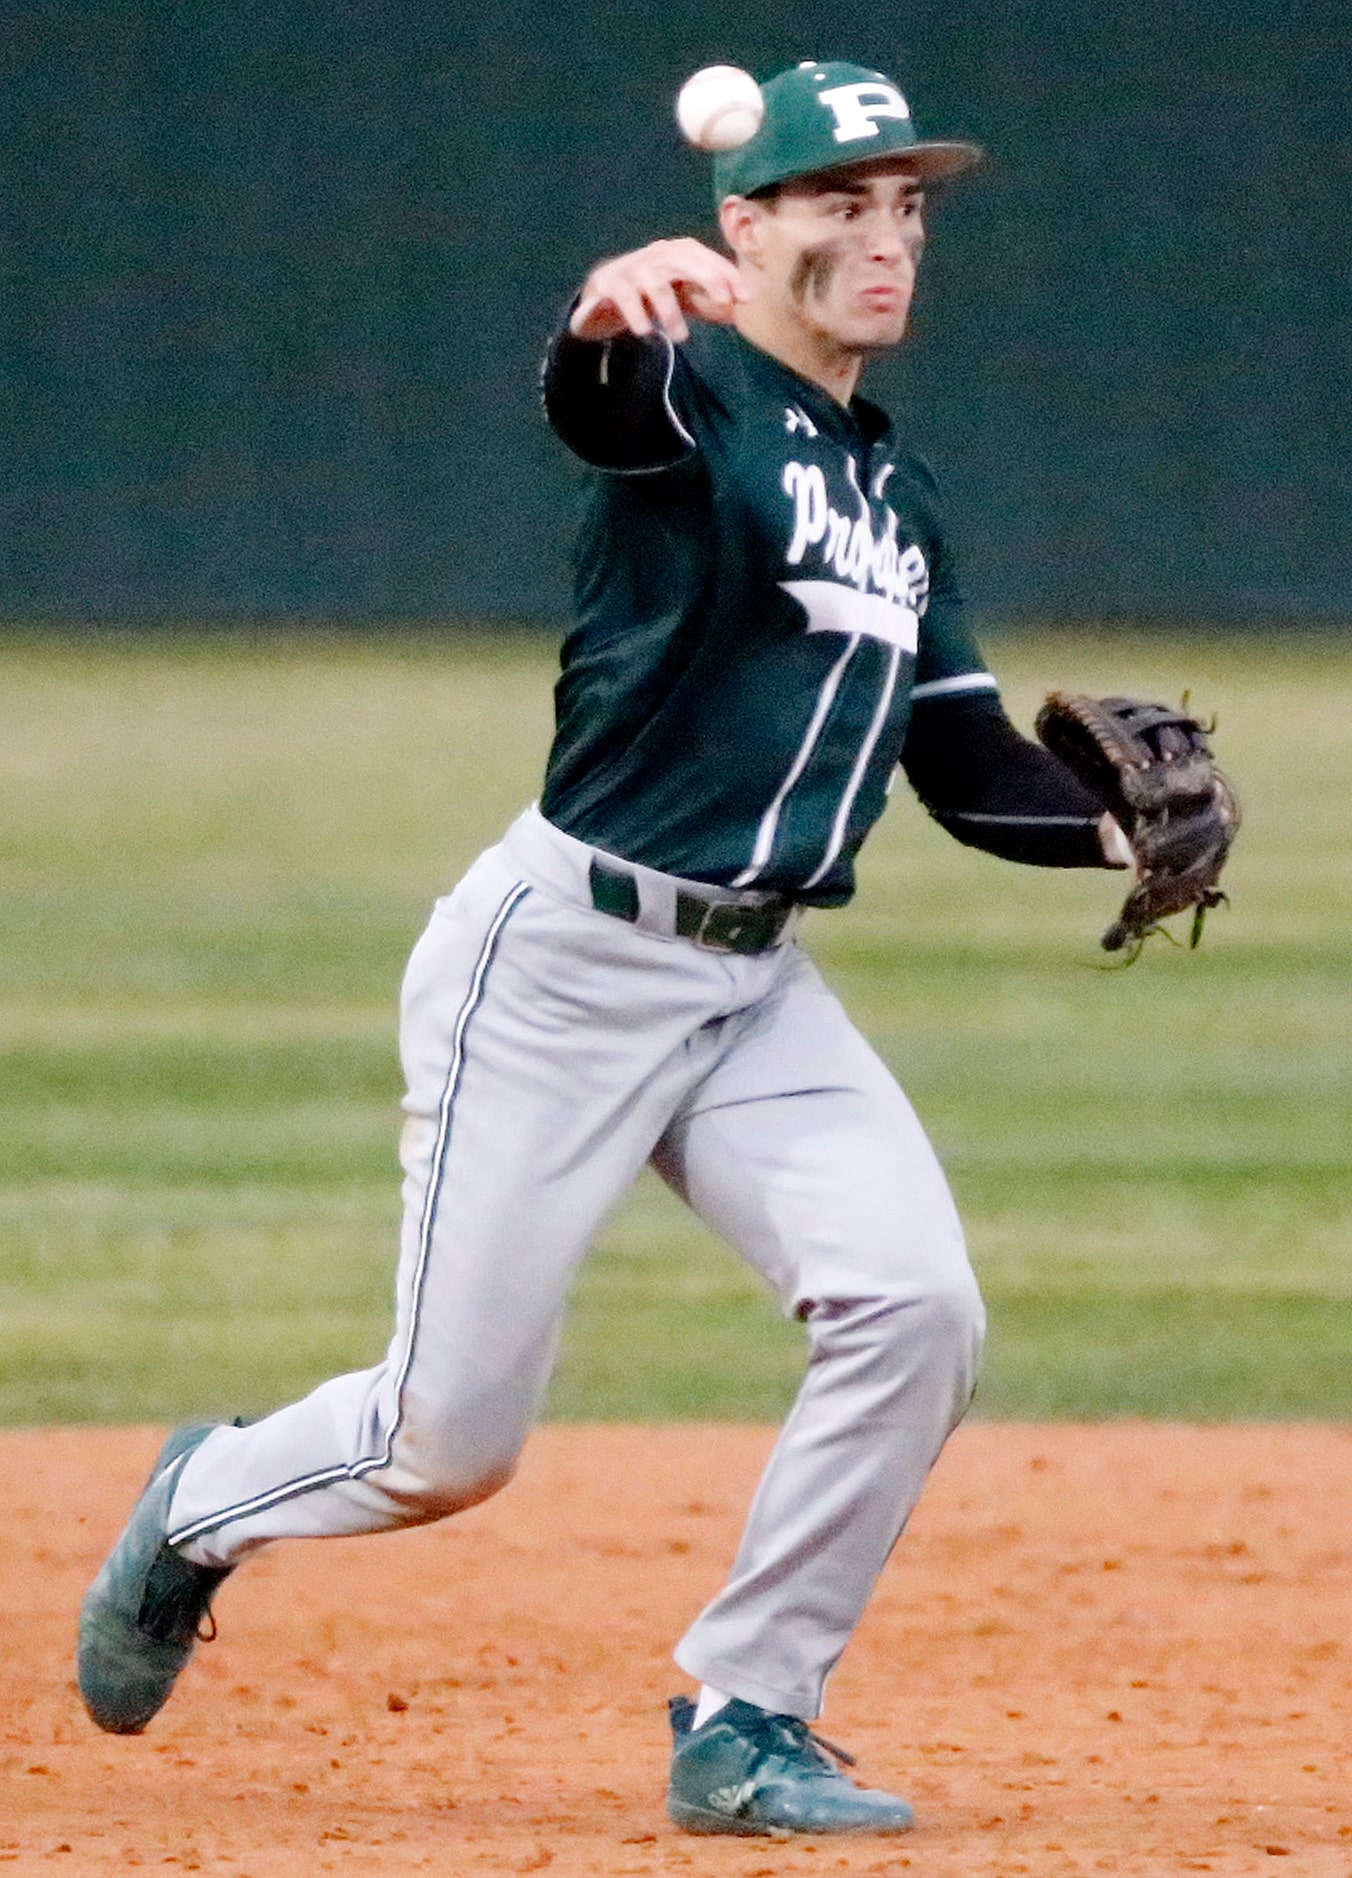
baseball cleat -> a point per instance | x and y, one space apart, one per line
749 1772
144 1612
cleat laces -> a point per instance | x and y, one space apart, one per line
176 1607
788 1742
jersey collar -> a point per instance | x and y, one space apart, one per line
860 419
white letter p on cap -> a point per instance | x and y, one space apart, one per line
857 108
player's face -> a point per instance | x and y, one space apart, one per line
839 254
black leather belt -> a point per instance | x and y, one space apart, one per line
721 925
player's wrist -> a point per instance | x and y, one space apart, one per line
1117 850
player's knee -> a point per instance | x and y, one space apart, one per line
954 1323
439 1499
936 1326
436 1471
930 1342
427 1494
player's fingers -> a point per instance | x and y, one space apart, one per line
711 286
729 285
594 319
694 261
719 308
689 268
610 304
657 286
1117 850
725 281
671 299
666 310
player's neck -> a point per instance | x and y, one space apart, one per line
810 354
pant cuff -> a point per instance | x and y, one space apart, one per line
733 1680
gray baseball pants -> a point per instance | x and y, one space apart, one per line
549 1051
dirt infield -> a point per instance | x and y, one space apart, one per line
1123 1649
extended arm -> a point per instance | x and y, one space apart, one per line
994 789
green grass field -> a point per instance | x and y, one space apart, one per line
215 857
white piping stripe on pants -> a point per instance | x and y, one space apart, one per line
471 1004
354 1470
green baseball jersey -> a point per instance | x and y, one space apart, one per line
763 591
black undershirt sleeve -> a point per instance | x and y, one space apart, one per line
994 789
609 400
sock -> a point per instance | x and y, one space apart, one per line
710 1701
193 1552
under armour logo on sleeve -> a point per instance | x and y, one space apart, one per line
857 108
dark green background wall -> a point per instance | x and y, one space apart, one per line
276 279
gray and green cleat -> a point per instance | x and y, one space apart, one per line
749 1772
144 1612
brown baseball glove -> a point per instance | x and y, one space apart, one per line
1152 768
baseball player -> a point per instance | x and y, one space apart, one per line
767 624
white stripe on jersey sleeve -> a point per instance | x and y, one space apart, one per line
1021 821
949 687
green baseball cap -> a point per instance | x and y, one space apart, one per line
825 117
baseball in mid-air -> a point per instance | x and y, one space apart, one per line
720 108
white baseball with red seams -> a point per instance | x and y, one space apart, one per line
720 108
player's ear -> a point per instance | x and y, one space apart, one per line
740 220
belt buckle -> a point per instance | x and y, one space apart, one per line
729 928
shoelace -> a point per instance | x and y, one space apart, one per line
682 1711
843 1755
803 1739
176 1607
